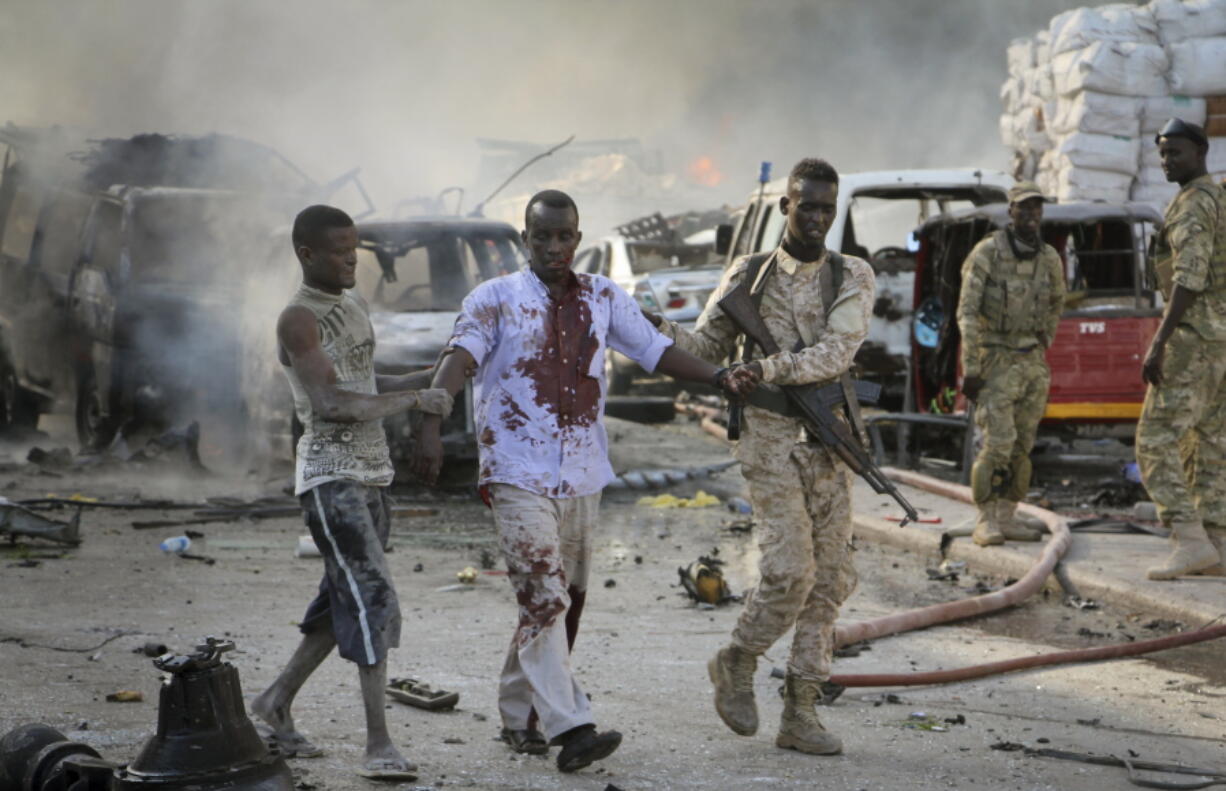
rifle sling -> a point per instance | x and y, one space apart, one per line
830 280
830 291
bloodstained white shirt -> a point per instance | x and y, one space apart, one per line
539 389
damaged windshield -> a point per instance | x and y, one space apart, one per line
432 270
648 257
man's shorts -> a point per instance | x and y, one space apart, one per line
357 601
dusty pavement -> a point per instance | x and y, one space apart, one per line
641 650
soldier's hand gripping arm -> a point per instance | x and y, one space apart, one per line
298 334
1191 238
970 323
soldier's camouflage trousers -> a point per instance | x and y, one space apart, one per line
802 507
1181 436
1007 413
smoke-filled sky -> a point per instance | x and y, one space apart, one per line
402 88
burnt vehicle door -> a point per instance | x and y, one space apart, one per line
414 275
94 284
39 245
159 294
1111 311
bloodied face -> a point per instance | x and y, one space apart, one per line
1026 216
330 262
1183 159
810 207
552 236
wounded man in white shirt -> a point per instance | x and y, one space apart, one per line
537 339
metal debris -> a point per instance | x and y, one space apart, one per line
704 582
18 521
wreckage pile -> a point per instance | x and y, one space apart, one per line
1085 96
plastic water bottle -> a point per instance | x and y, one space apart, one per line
177 545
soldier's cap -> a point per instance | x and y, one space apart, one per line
1024 190
1177 127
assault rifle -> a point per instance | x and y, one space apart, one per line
812 403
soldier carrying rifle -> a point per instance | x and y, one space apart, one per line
800 486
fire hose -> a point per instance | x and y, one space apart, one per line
1013 594
1029 584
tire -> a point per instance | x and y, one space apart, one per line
95 430
641 409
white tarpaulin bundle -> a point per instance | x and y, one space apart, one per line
1183 19
1217 156
1101 113
1119 22
1086 95
1157 110
1099 152
1198 66
1085 184
1125 68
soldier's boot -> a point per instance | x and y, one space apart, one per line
1218 537
799 728
731 671
987 527
1193 552
1013 528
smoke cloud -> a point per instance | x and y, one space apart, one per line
402 89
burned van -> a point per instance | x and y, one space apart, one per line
159 295
1111 310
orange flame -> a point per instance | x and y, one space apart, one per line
703 171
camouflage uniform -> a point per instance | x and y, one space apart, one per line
801 493
1008 312
1181 436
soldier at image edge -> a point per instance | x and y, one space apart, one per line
800 490
326 347
1181 436
1009 308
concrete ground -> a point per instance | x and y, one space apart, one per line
641 652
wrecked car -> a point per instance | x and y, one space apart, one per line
140 278
1112 310
414 274
877 212
664 275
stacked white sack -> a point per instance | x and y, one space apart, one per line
1157 110
1193 32
1105 62
1179 20
1023 126
1198 66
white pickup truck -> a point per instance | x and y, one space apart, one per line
877 212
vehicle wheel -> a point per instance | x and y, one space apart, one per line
641 409
18 410
619 379
95 429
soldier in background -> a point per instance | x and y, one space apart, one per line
1181 436
1008 311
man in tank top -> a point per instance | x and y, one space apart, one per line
326 346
